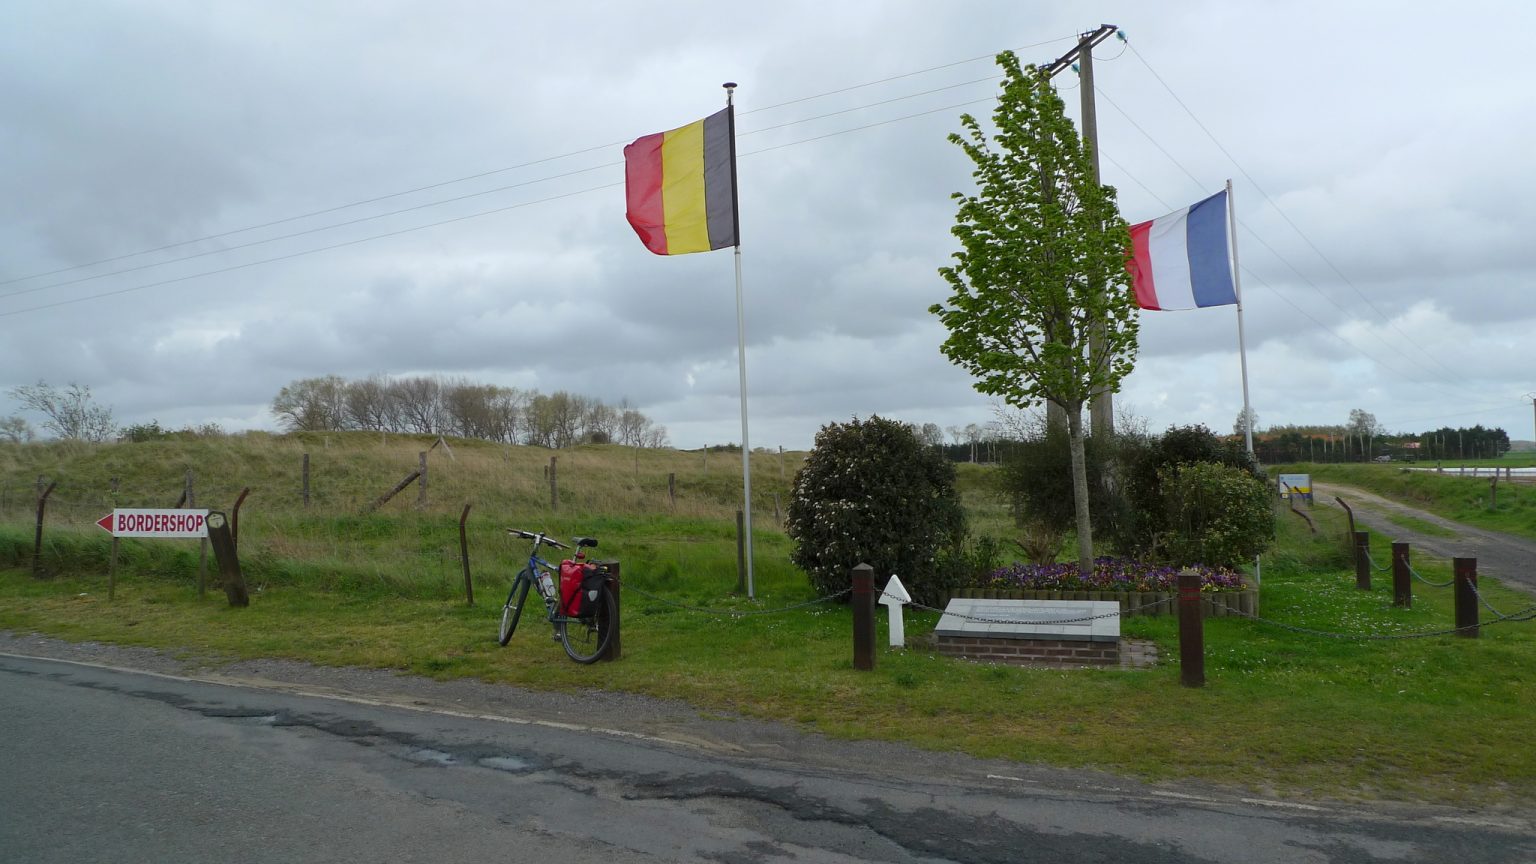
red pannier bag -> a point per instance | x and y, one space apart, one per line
571 575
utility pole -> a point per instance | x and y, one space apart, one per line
1102 406
1532 397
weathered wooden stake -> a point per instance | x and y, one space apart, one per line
234 517
554 485
1402 579
672 490
1493 491
615 649
469 587
190 493
112 572
1363 560
421 476
863 577
202 567
229 561
1466 596
384 499
306 480
1191 632
37 545
777 520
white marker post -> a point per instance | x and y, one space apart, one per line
894 598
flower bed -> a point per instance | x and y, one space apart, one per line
1109 574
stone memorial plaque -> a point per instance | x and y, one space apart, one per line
1032 619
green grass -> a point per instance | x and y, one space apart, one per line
1461 499
1440 719
1420 525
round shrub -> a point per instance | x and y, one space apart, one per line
1217 514
871 493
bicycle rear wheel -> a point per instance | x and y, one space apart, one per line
586 639
514 606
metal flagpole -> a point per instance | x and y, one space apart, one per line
741 351
1242 348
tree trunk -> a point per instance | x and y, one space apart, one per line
1080 490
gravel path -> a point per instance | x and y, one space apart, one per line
1512 560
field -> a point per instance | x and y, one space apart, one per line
1438 719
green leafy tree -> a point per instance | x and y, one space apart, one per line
872 492
1041 266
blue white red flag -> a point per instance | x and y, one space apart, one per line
1180 261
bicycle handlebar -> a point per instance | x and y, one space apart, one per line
532 535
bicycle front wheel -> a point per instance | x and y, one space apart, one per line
586 639
514 607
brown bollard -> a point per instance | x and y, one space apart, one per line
1191 632
864 617
1402 581
469 586
1466 596
1363 560
615 645
223 543
42 507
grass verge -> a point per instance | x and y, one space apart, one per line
1434 719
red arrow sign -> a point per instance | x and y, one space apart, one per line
105 522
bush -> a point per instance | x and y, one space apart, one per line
1143 523
1037 479
1217 514
871 493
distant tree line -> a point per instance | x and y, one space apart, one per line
1282 444
435 405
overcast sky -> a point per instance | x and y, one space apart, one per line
1380 154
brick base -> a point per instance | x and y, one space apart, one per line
1060 653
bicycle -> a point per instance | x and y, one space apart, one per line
585 637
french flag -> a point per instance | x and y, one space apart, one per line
1179 261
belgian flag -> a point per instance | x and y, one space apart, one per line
680 186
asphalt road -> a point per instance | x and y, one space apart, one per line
1506 557
109 764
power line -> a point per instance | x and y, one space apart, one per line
1262 242
1283 215
483 174
436 224
482 193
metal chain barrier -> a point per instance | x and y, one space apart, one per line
982 620
738 613
1527 614
1444 584
1497 614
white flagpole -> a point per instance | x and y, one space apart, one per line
1242 348
741 356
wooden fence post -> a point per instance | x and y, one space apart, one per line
1363 560
234 517
1465 570
229 561
863 577
421 476
672 490
37 546
306 481
469 586
1191 631
112 571
616 644
190 493
1402 580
